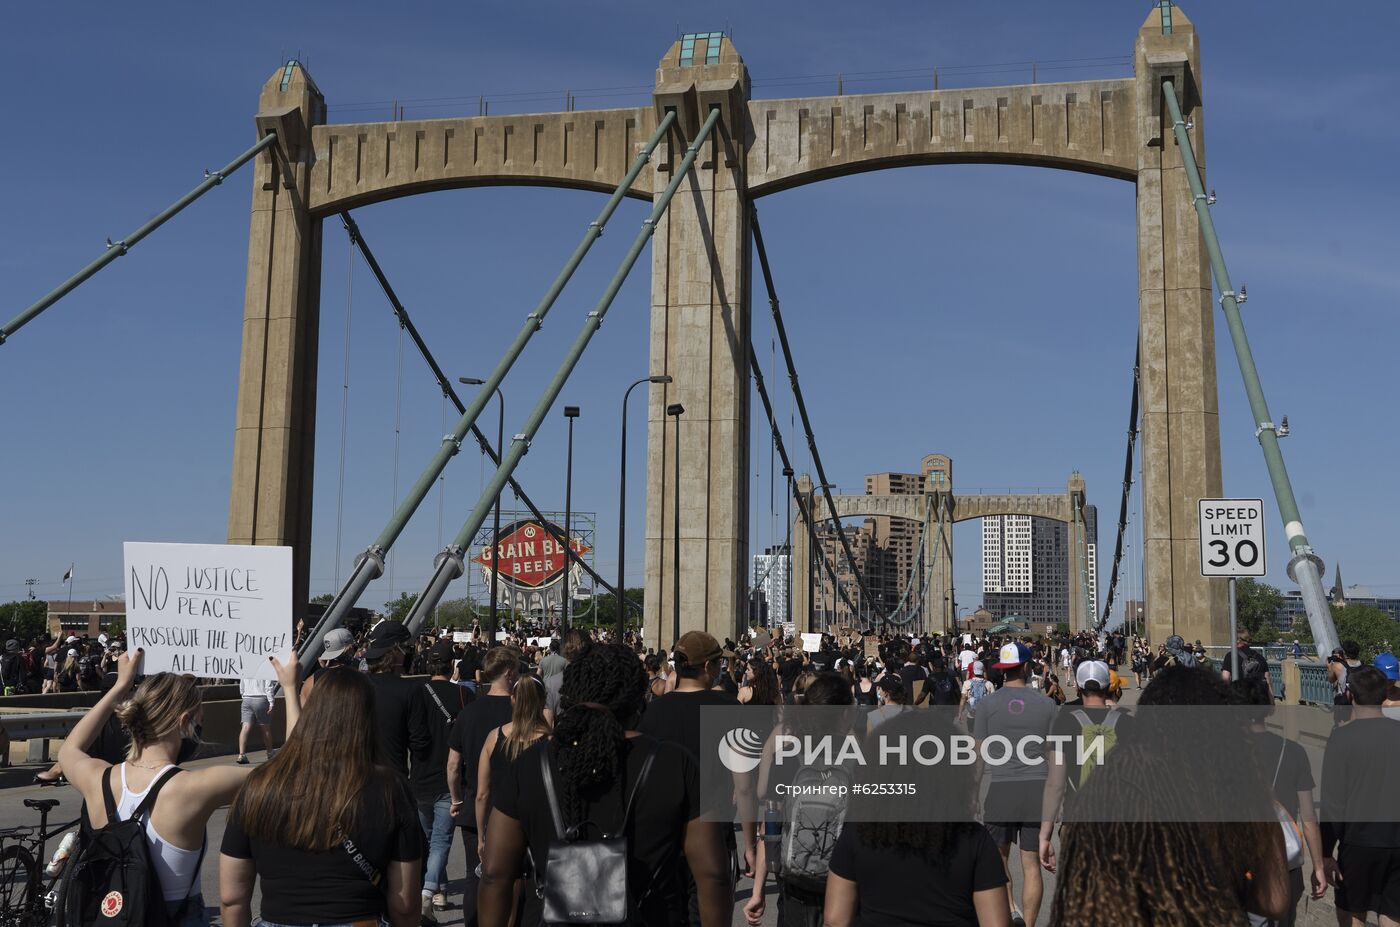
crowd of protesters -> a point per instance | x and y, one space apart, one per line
570 767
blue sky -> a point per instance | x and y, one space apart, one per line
985 312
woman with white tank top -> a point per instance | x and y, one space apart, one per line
164 717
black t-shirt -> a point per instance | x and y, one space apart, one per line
675 718
429 776
788 671
1360 766
402 719
1286 764
906 890
468 666
468 736
665 803
909 674
949 694
299 887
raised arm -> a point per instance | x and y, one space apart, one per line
86 771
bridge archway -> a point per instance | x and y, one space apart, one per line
940 496
701 279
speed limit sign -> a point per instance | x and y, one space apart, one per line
1232 537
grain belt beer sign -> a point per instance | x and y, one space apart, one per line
1232 537
531 561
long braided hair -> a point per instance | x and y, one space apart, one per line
600 698
1164 873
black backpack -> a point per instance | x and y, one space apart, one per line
945 689
112 880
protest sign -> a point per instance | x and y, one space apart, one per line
541 641
871 647
214 610
502 636
461 637
811 642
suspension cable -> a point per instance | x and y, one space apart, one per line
344 406
448 564
801 404
1127 491
797 496
370 563
357 239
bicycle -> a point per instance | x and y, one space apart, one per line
27 893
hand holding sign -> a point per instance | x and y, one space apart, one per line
128 665
288 671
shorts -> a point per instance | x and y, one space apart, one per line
1370 880
256 710
1011 813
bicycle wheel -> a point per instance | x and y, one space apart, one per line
19 884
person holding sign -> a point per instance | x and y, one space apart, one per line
164 716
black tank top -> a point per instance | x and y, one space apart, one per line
867 698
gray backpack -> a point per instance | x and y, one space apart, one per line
811 825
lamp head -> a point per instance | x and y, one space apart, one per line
470 381
571 411
660 378
675 408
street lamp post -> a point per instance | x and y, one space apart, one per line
571 413
622 510
787 550
677 410
496 525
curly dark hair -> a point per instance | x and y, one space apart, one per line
601 696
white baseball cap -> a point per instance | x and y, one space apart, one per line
1095 671
978 669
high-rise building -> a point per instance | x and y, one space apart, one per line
1006 555
831 608
769 577
896 540
1026 563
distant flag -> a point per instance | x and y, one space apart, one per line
67 576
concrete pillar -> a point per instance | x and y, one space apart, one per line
938 611
275 428
1180 418
700 336
1077 559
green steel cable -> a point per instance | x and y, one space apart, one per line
116 249
449 563
1306 567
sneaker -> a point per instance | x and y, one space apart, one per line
428 917
242 759
440 901
1017 920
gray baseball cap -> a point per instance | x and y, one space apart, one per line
337 642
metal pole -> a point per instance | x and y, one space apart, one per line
521 442
568 513
373 558
1306 566
676 537
622 509
496 524
787 551
1234 636
116 249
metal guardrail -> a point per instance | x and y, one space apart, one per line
40 725
1315 688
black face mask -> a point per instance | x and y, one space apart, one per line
189 746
